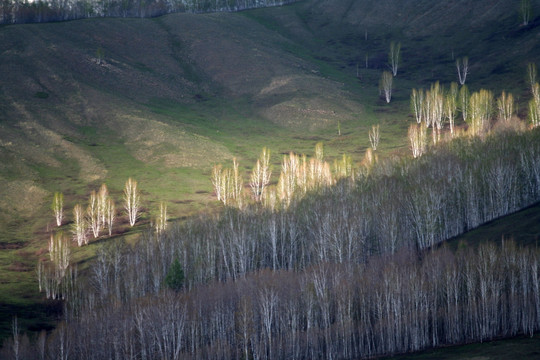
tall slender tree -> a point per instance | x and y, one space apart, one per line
385 85
260 176
394 56
462 65
57 207
132 201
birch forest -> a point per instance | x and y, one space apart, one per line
351 270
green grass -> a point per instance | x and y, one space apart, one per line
509 349
523 227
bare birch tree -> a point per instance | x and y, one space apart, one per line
463 101
110 215
319 151
79 226
531 76
417 134
160 222
450 105
287 179
132 201
374 137
59 252
480 108
434 109
534 112
394 56
462 65
525 10
385 85
93 215
16 337
505 106
216 180
260 176
57 207
102 200
228 184
417 104
237 184
343 168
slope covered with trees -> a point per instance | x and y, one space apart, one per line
350 271
163 100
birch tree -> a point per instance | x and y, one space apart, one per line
319 151
58 207
434 109
531 76
505 107
132 201
417 135
385 85
260 176
534 112
463 101
525 10
228 184
374 137
417 104
92 214
394 56
16 337
450 105
237 184
161 218
216 180
288 178
480 108
110 215
102 202
462 65
59 252
79 226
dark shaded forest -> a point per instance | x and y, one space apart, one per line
22 12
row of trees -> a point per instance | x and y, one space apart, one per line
56 278
437 107
387 305
299 175
101 212
23 11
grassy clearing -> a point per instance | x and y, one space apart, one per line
517 348
523 227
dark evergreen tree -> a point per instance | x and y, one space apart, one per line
174 279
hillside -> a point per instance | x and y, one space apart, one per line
162 100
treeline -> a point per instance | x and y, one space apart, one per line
403 204
24 11
387 305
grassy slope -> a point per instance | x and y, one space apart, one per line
179 93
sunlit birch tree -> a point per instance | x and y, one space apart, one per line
132 201
394 56
462 66
260 176
57 207
385 85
